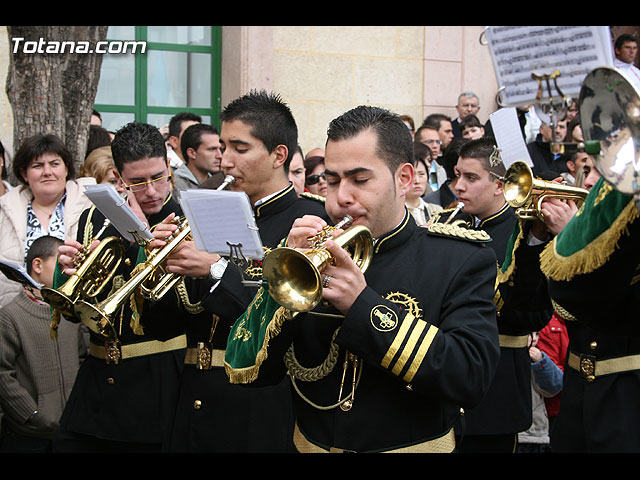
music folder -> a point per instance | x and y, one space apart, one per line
222 222
18 273
115 207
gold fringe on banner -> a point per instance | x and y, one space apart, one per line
591 256
250 374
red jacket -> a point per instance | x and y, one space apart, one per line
554 341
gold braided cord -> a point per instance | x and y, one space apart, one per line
560 310
313 374
183 296
327 407
457 231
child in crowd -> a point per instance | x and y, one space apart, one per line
36 371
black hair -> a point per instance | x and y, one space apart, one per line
36 146
98 137
394 142
624 38
481 149
451 155
269 118
435 120
192 137
136 141
42 247
175 124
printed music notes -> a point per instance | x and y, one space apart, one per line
520 51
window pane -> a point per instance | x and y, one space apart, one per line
184 35
178 79
113 121
117 80
120 32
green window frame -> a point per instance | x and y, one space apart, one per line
140 109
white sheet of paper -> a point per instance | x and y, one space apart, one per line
115 208
508 135
519 51
219 218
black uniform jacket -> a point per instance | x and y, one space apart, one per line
129 401
523 307
212 415
602 377
425 334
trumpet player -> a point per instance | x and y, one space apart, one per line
521 298
386 360
120 398
595 289
259 137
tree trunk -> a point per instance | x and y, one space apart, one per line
52 89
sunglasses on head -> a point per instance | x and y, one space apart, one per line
313 179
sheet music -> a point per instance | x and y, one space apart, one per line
221 217
508 135
115 208
18 273
519 51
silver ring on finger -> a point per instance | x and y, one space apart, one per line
325 281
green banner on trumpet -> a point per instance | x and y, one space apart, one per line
591 236
249 338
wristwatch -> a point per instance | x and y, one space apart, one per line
217 269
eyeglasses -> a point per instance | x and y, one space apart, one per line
469 105
313 179
141 186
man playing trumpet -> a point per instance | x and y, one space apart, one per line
120 398
388 358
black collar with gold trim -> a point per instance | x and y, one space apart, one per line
398 235
498 217
277 203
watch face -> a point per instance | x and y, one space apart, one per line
217 270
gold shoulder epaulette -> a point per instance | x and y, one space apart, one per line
313 196
454 230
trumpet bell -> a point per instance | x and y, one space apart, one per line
518 184
609 107
526 193
293 279
91 277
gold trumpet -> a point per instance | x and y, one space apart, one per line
93 273
99 317
294 277
526 193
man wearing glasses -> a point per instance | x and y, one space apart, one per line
120 399
468 104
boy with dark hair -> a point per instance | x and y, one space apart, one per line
36 371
